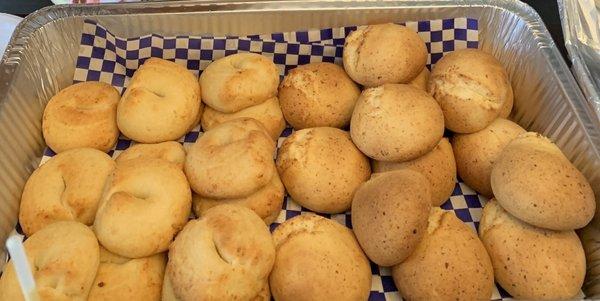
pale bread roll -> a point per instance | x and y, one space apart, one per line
534 181
146 201
267 112
232 160
529 262
266 202
63 258
421 80
472 87
82 115
239 81
318 95
438 166
226 254
321 168
318 259
475 153
389 215
384 54
450 263
121 278
67 187
171 151
161 103
396 122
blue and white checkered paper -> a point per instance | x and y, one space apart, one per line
108 58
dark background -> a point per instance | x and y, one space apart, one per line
547 9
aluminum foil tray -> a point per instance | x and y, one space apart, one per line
40 60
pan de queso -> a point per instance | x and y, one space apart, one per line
396 122
476 152
438 166
534 181
472 87
238 81
232 160
450 263
318 95
161 103
318 259
384 54
82 115
67 187
63 258
226 254
530 262
321 168
146 201
389 215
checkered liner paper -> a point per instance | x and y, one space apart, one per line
107 58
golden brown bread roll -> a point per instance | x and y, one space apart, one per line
171 151
476 152
530 262
145 203
318 95
268 113
226 254
63 258
67 187
239 81
121 278
384 54
421 80
534 181
389 215
82 115
161 103
266 202
321 168
232 160
450 263
318 259
396 122
438 166
472 87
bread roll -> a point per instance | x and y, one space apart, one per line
529 262
239 81
396 123
145 203
318 259
389 215
226 254
421 80
318 94
438 166
171 151
476 152
384 54
121 278
534 181
472 88
232 160
82 115
321 168
63 258
450 263
268 113
66 188
160 104
266 202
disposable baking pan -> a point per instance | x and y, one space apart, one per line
40 61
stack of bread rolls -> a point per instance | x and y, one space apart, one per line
368 138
